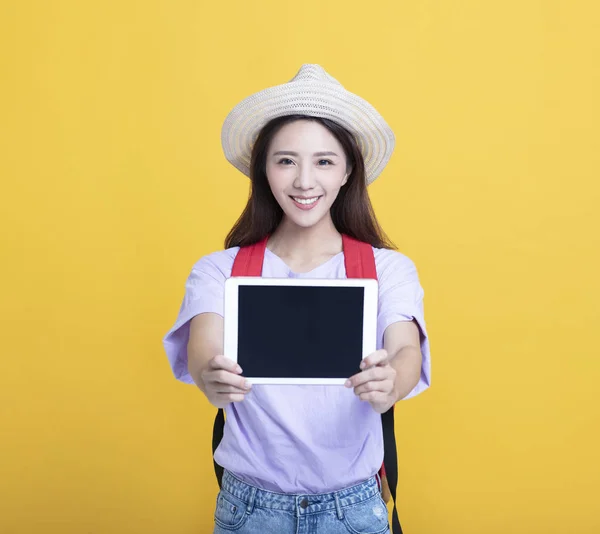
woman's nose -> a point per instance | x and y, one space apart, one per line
305 178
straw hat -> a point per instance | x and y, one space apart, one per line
315 93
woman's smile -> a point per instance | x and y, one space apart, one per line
305 203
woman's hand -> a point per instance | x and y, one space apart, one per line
376 383
223 382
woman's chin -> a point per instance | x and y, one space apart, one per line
305 220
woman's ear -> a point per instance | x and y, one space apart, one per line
348 173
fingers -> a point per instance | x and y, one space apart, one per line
380 386
223 378
222 362
223 382
372 374
221 395
225 372
376 358
223 389
376 382
377 399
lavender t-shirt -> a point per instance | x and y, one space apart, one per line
301 439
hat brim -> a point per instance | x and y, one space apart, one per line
313 98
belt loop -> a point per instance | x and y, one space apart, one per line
338 507
251 500
378 478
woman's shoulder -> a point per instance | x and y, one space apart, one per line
394 264
219 262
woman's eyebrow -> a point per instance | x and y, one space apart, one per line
316 154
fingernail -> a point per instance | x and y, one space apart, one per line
238 369
363 365
348 383
247 385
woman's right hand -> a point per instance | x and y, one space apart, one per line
223 382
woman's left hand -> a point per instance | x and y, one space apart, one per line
376 383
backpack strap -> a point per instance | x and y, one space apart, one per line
249 260
358 258
218 429
390 463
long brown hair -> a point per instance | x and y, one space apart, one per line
351 212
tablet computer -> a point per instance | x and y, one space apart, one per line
299 331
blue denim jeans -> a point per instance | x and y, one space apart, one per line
245 509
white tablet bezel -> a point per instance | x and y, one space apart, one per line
231 318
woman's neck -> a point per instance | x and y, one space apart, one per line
295 242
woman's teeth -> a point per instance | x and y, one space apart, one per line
305 200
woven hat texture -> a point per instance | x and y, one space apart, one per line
315 93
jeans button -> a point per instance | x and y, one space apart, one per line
304 503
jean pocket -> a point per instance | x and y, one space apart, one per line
231 512
367 517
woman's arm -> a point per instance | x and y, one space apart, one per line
392 373
205 342
402 343
217 377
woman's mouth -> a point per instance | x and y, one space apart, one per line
305 203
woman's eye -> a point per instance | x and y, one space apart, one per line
285 161
325 162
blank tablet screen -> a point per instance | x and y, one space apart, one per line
300 332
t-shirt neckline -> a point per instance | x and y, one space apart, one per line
294 274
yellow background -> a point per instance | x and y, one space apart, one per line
113 184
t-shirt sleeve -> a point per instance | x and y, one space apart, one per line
204 292
401 299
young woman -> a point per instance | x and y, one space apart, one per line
304 458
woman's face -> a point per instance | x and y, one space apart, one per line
306 167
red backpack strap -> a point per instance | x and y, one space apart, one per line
249 260
359 258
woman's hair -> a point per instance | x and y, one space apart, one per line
352 212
